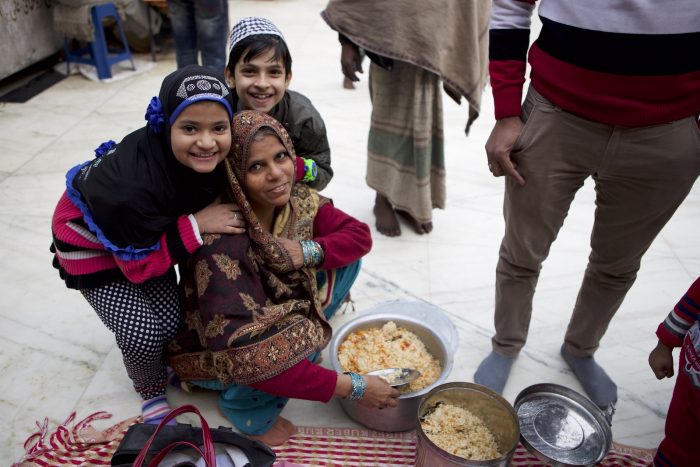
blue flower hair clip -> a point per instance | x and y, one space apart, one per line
154 115
104 148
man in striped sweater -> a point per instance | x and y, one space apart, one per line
614 95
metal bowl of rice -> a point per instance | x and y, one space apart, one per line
403 416
465 424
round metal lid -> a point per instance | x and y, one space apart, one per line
562 427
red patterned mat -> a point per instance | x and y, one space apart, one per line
361 447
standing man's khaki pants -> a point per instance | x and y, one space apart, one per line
641 176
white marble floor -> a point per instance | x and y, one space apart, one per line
57 357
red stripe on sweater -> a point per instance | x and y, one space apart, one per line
507 78
629 101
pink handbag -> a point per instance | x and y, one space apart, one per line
208 445
144 441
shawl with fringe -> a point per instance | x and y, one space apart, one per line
446 37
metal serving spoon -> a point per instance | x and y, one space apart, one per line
396 376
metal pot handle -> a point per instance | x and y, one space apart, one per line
608 413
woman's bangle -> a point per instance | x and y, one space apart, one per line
311 252
358 386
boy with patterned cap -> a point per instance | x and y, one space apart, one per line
259 70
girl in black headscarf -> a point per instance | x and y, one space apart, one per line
140 207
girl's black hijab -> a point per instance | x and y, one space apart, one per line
137 189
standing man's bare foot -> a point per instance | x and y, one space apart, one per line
418 227
386 221
279 434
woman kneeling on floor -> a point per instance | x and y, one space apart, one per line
255 316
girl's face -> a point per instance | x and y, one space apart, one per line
201 136
260 83
269 174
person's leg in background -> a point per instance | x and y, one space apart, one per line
405 147
644 177
182 21
211 17
555 154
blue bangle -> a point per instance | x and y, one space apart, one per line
358 386
312 253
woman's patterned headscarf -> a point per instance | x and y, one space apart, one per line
246 125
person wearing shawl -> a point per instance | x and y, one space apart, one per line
413 45
140 207
254 319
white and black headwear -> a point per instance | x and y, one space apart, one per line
200 87
251 26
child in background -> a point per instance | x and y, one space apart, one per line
259 70
138 208
680 329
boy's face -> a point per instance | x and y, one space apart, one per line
259 83
201 136
269 174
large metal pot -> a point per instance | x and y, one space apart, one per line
496 413
403 416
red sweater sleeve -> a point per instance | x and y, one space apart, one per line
343 238
179 241
305 380
672 331
509 39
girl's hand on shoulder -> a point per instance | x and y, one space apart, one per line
293 248
220 218
378 393
661 361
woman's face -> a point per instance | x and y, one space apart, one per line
269 174
201 136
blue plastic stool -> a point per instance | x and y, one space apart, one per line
96 52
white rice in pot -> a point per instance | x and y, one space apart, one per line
390 346
459 432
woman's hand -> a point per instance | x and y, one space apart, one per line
293 248
661 361
378 393
220 218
